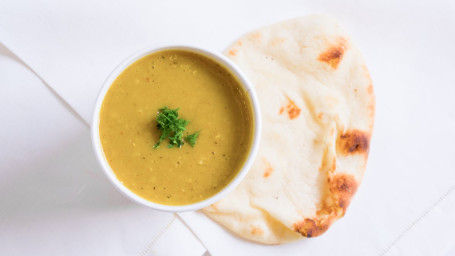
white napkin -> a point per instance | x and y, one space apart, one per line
409 50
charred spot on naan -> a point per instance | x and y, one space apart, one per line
291 108
256 230
370 89
268 168
268 171
353 142
293 112
370 92
311 227
334 54
255 36
371 110
233 52
343 188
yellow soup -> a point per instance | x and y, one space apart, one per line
208 95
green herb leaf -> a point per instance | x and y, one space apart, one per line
172 128
192 139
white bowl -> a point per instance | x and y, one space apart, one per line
242 173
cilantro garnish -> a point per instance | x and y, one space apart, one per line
192 139
172 128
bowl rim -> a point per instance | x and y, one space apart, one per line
220 59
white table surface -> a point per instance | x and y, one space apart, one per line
42 139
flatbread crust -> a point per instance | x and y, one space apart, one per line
318 106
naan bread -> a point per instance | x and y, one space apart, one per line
317 106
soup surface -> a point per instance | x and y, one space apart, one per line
208 95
